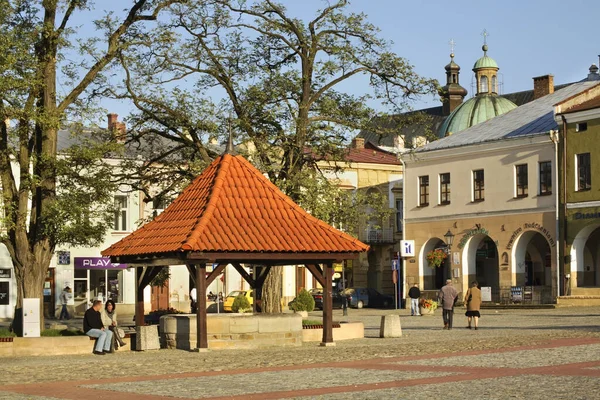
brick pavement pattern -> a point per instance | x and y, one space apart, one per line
525 354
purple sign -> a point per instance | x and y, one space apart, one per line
96 263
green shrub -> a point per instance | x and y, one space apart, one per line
241 304
61 332
6 333
303 302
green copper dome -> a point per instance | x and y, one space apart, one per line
485 61
474 111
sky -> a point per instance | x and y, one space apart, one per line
527 38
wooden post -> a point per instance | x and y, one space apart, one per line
139 296
201 325
327 306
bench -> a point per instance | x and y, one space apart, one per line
127 347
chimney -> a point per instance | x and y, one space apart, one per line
358 143
118 129
593 75
112 121
543 85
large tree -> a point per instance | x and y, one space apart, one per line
279 83
49 199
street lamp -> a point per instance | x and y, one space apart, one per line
449 236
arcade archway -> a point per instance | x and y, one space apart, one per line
433 278
532 260
480 262
585 257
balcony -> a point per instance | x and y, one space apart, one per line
376 236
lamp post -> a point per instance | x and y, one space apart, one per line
449 236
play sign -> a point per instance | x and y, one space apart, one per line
96 263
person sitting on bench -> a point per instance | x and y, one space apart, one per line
109 319
93 327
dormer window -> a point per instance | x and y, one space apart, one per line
454 79
494 84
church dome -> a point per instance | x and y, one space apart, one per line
485 61
474 111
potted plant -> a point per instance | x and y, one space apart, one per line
427 306
436 257
303 303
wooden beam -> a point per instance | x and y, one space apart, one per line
328 305
238 267
275 258
192 271
316 271
201 325
150 274
260 280
215 272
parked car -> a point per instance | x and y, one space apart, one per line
336 297
367 297
231 297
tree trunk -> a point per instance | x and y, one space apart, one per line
30 284
271 292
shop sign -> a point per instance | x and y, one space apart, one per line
531 225
5 273
471 233
591 215
96 263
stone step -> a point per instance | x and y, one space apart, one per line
578 301
585 291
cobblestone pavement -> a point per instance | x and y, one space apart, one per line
517 354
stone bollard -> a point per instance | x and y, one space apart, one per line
390 326
147 338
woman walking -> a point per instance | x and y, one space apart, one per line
473 303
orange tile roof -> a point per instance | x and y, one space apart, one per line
232 207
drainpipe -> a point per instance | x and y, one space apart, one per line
403 229
554 136
567 288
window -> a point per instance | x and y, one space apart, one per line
159 204
581 127
545 178
584 172
399 214
120 213
478 185
494 84
521 180
484 84
445 188
423 191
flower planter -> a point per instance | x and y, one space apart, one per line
426 311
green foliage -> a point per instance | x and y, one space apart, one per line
241 304
311 322
162 278
303 302
6 333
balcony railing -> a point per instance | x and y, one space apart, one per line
371 235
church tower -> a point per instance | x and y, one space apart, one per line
452 94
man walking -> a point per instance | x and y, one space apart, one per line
415 294
93 327
447 297
64 297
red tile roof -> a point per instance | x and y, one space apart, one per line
232 207
371 154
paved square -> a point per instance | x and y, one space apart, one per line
522 354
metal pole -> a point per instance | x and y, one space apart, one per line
344 300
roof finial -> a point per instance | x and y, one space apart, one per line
452 43
485 34
229 148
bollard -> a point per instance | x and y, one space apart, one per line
390 326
